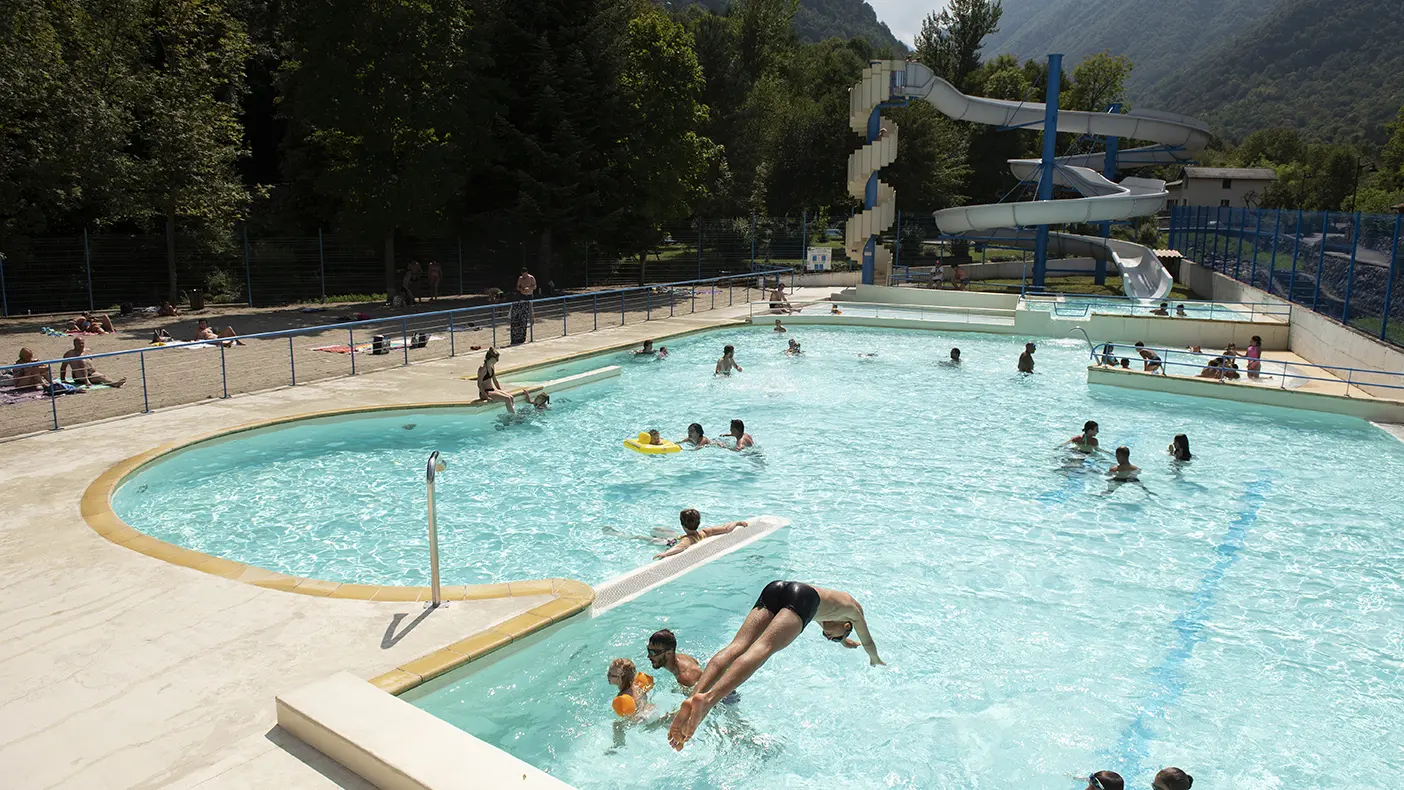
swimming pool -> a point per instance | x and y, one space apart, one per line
1238 616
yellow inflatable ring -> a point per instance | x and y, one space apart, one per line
652 449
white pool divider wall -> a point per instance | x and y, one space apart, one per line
626 587
396 746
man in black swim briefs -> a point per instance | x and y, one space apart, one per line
780 614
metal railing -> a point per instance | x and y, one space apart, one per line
1082 305
764 309
1234 369
431 469
185 372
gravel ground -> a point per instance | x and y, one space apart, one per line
181 375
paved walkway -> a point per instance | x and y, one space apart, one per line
118 670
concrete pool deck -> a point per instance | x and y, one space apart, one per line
120 670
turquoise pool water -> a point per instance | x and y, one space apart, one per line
1239 616
1080 307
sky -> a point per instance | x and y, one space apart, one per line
904 16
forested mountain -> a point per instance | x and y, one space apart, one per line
1160 36
816 20
1333 68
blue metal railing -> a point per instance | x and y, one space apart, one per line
456 320
1197 364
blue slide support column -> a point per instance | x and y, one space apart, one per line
1109 171
1050 149
870 195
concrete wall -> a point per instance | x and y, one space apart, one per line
825 279
1373 410
1210 192
1125 330
883 294
1313 336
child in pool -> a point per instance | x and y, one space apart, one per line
1123 471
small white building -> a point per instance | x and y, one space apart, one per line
1238 187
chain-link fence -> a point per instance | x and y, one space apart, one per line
1343 265
102 271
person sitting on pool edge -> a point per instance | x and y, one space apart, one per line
727 363
1179 447
954 361
794 348
489 388
1152 359
691 521
738 432
1106 780
663 654
695 436
1123 471
779 615
1026 360
1109 355
779 327
1087 440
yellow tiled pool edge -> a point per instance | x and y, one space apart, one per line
571 597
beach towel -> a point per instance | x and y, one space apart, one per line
394 344
189 344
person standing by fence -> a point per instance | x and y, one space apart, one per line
521 308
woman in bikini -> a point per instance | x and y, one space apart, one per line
489 388
692 535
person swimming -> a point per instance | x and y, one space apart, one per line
1163 309
1123 471
647 350
794 349
695 437
738 432
1026 360
1179 447
693 533
1087 440
954 360
628 681
1180 311
779 327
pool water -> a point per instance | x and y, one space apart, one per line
1239 616
1075 307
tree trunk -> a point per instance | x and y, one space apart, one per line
172 285
643 267
543 260
391 286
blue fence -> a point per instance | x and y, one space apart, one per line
1343 265
41 393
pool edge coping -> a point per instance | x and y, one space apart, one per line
569 597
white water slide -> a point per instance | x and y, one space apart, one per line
1177 139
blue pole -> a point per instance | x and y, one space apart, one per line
1321 259
1350 276
1272 262
451 348
145 398
88 268
1109 172
351 344
404 338
1242 227
1389 284
223 371
804 248
1296 250
53 394
595 308
564 330
292 365
870 200
1050 150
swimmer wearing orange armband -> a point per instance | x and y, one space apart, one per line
633 687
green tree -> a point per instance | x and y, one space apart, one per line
1391 165
187 134
949 41
665 159
1097 82
375 94
930 169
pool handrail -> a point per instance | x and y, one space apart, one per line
762 308
1166 361
432 468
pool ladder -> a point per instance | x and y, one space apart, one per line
435 466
